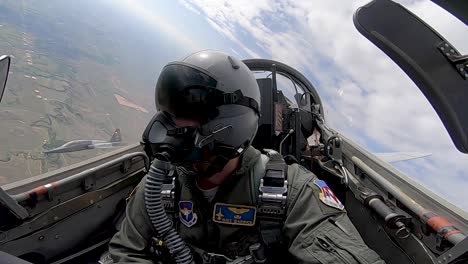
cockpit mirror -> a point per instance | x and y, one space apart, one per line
434 64
4 70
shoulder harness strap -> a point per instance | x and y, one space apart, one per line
271 202
169 199
272 198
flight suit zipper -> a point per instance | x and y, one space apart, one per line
328 246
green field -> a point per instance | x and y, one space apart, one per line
60 88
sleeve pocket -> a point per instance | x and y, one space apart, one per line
326 252
330 244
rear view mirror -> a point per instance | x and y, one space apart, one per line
4 69
434 65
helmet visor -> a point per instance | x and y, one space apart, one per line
205 147
186 92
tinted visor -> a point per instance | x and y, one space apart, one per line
208 154
204 147
187 92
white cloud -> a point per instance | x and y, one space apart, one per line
367 97
189 6
224 29
235 52
141 11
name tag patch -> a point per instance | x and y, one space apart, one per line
327 196
234 214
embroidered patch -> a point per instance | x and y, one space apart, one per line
327 196
234 214
186 214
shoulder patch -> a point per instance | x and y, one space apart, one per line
327 196
186 214
233 214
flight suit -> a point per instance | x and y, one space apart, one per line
313 231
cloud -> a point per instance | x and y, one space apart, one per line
189 6
226 31
141 11
366 96
224 16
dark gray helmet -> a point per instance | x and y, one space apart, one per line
221 93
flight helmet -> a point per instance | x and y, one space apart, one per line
222 94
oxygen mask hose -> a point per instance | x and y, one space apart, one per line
160 171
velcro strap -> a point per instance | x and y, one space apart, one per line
238 98
233 98
271 232
249 102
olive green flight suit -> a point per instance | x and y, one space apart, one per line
313 231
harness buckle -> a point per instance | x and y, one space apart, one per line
273 188
168 195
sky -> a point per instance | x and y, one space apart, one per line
366 96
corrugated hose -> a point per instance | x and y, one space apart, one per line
159 171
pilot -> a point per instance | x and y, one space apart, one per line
217 198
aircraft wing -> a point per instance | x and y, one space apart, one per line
105 145
78 145
72 146
392 157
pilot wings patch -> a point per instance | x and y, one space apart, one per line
233 214
327 196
